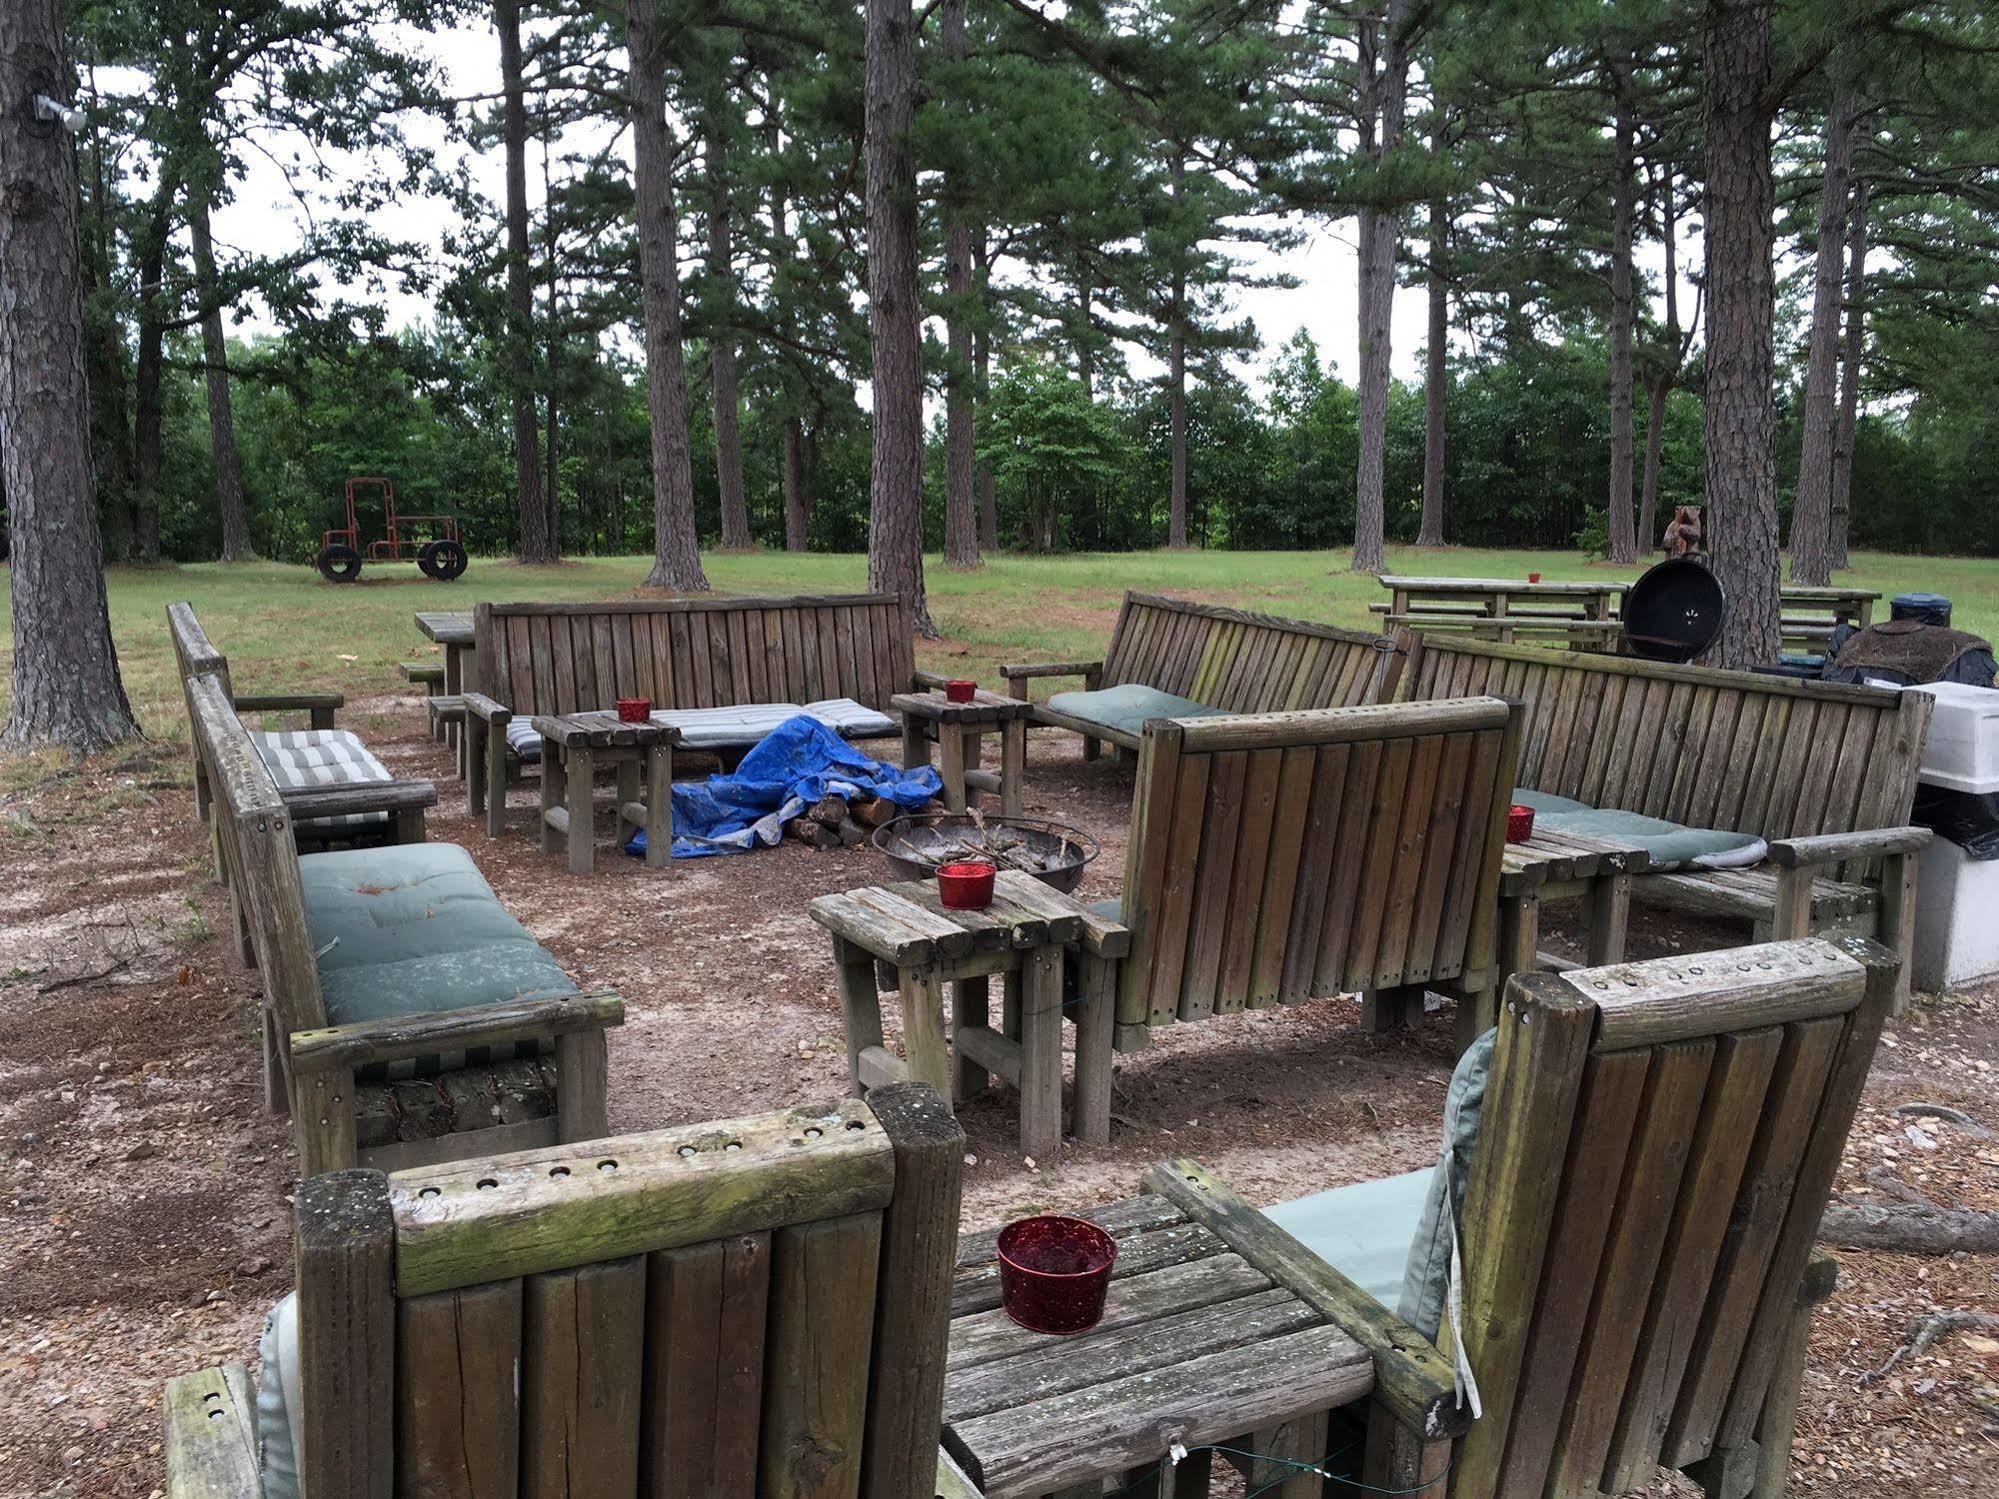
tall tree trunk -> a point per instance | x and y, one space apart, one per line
148 376
895 510
1436 374
1853 347
67 691
1086 353
961 518
722 343
1176 518
1811 517
797 498
982 363
537 546
229 501
676 547
1660 386
551 354
1623 315
104 367
1385 97
1741 361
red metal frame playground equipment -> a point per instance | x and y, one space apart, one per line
440 554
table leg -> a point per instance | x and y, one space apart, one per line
1299 1440
923 1028
970 1006
1609 918
1519 946
860 1003
659 805
630 773
951 741
1041 1054
1095 1023
1013 766
915 743
1165 1479
454 684
554 790
472 764
582 842
494 772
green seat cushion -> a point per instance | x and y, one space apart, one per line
1426 1278
1672 845
1362 1231
1546 801
1127 706
1112 908
414 928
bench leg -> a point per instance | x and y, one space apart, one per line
1092 747
458 736
970 1006
860 1004
1095 1021
1041 1054
554 792
582 1081
582 770
472 764
1383 1010
1300 1440
1793 918
1778 1424
410 825
1609 918
1898 918
923 1028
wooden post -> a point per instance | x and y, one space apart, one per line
951 746
454 685
860 1004
659 805
323 1120
1898 919
1609 918
581 772
1793 916
1093 681
410 825
554 792
1519 938
923 1027
1302 1440
1041 1054
913 1296
582 1066
1013 765
347 1331
970 1006
1095 1032
496 777
1400 1461
472 765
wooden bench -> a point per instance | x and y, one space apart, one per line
408 1085
1287 856
1825 773
1230 660
558 659
737 1307
1657 1146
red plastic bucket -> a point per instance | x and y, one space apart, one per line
1519 824
1054 1272
634 709
966 886
959 690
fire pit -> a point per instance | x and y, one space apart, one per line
1052 852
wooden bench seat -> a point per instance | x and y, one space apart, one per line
1225 660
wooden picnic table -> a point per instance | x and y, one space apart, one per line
572 746
1023 937
452 629
960 730
1199 1345
1502 609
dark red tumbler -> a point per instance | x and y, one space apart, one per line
1054 1272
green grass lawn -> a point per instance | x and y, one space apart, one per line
283 628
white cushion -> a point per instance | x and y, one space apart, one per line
323 757
279 1407
732 728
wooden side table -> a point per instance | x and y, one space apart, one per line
1199 1345
1023 937
572 746
960 730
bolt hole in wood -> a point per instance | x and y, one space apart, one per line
607 1166
558 1172
814 1134
427 1192
487 1183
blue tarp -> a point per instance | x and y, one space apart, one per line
792 766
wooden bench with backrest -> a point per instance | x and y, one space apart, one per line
1643 1153
1288 856
1170 658
406 1016
1825 773
748 1306
723 671
353 797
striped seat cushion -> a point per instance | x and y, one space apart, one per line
733 728
323 757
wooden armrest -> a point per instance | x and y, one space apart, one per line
1023 669
924 681
280 702
483 707
308 802
400 1036
1413 1379
211 1435
1835 848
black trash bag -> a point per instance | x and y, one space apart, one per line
1970 819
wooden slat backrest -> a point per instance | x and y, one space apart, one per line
259 853
1657 1146
1289 856
695 653
753 1306
1720 749
1242 662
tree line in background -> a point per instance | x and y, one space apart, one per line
783 222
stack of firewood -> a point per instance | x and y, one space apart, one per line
834 822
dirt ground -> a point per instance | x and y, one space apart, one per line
144 1193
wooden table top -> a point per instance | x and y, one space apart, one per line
1550 858
446 627
1405 583
907 924
985 707
600 729
1196 1345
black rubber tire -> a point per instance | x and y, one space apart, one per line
340 563
426 559
448 560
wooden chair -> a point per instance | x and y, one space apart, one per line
751 1306
352 1089
1657 1146
1287 856
1825 773
1227 660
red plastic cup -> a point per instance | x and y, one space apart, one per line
1533 577
1519 824
634 709
1054 1272
960 690
966 886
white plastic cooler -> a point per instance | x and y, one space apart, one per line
1957 896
